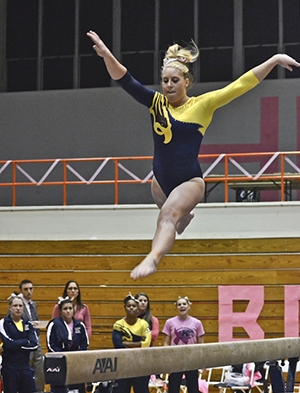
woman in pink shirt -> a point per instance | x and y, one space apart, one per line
82 312
183 330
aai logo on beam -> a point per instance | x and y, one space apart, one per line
53 370
106 364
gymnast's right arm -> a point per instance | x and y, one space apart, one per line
115 69
120 74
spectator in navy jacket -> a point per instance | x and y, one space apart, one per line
66 333
19 339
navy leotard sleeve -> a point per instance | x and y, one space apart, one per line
140 93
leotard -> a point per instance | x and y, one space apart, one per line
178 131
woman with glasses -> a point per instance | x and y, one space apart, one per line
82 312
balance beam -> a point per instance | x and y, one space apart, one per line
65 368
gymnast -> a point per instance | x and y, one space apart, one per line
179 124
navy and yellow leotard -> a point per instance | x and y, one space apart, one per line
178 131
122 331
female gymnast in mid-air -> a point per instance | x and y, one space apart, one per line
179 124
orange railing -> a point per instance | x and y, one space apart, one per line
263 179
285 163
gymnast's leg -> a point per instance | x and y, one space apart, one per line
178 206
160 198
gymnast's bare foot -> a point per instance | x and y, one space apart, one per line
184 222
147 267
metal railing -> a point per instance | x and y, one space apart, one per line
287 171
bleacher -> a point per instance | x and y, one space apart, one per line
195 267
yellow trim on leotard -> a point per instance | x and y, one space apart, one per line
198 110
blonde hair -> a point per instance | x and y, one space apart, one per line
180 57
184 298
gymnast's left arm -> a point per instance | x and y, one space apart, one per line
285 61
218 98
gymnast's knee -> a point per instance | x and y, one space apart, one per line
168 215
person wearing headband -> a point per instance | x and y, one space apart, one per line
66 333
131 332
183 330
19 340
179 123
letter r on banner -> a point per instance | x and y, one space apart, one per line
248 319
291 310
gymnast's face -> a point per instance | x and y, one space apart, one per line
131 308
174 86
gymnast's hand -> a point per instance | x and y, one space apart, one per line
100 48
286 61
114 67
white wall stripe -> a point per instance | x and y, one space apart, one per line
213 165
48 172
99 170
25 174
292 164
266 166
4 166
128 172
239 167
76 173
